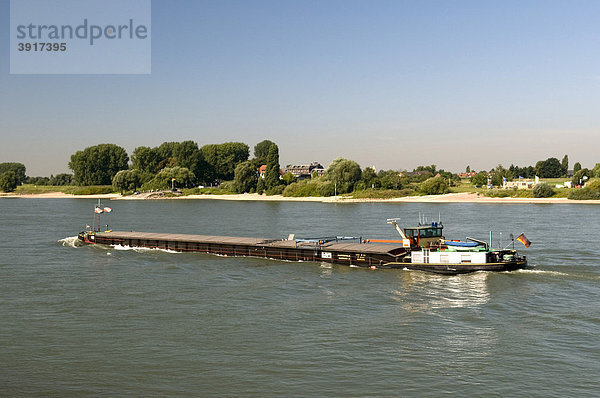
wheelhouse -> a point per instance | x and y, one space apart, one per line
425 235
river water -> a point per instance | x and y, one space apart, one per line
87 320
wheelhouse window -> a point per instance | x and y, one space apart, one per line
423 232
430 232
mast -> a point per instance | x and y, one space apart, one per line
98 211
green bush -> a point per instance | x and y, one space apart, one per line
227 186
593 184
480 179
183 179
382 193
93 190
8 181
543 190
434 186
584 194
579 176
205 191
506 193
345 173
313 187
276 190
590 192
498 193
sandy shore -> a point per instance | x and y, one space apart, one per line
448 198
59 195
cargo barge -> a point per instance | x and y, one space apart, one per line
421 248
335 250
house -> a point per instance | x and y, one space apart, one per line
521 183
302 172
262 170
470 174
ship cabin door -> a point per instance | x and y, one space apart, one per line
424 236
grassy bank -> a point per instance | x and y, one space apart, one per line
30 189
206 191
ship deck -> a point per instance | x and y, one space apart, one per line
371 248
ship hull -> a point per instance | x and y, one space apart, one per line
454 269
357 255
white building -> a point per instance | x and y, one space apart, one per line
521 183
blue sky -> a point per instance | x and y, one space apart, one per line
393 84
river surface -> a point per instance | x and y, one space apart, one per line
103 321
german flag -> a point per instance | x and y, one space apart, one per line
523 239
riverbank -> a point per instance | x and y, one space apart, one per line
447 198
59 195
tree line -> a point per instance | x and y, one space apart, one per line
229 166
549 168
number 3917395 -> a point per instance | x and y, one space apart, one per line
42 47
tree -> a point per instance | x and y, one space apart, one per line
184 178
38 180
564 165
538 167
576 167
344 174
97 165
468 170
596 170
245 177
580 177
126 180
170 154
61 179
221 159
369 178
498 175
542 190
17 168
146 159
261 151
549 168
8 181
525 172
432 169
187 154
260 186
434 186
166 153
390 179
480 179
288 178
273 169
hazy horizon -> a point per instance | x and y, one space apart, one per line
389 83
